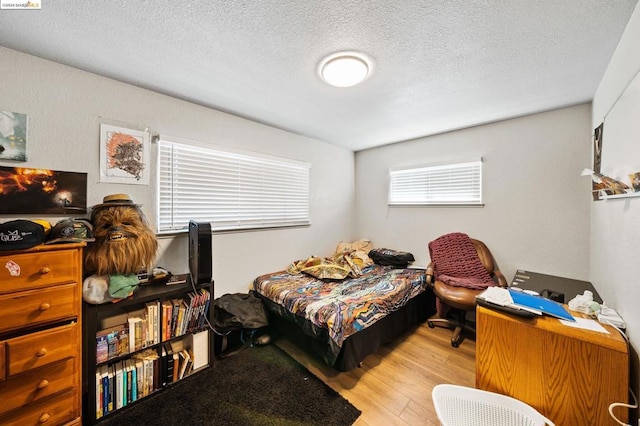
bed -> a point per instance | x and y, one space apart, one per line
343 321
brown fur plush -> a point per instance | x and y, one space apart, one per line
124 243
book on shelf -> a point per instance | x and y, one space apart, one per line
174 316
152 323
139 378
185 361
167 315
110 390
170 360
134 379
135 332
102 349
130 385
99 390
119 386
191 300
176 367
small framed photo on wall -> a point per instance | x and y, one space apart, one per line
13 136
124 155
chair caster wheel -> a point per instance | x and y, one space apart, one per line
455 344
431 325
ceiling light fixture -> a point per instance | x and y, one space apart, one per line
345 69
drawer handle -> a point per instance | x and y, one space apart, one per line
41 352
44 418
44 270
44 306
43 384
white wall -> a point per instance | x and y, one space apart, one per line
65 107
536 213
615 224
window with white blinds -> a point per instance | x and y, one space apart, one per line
438 185
229 189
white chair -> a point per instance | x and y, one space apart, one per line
464 406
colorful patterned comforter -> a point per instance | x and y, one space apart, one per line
343 307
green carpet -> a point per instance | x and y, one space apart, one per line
257 386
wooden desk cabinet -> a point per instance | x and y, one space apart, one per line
41 335
570 375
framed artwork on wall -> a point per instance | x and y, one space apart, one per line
124 155
42 191
597 158
13 136
616 171
616 163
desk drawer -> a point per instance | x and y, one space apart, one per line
37 270
36 350
37 384
52 411
39 306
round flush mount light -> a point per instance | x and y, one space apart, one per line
345 69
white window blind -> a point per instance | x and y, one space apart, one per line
442 184
231 190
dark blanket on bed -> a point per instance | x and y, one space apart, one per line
339 309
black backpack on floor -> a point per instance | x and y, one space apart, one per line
237 319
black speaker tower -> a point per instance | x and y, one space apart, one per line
200 256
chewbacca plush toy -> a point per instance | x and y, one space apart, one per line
124 245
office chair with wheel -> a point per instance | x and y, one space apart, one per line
460 269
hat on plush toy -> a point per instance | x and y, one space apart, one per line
116 200
71 231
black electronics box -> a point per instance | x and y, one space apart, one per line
559 289
200 252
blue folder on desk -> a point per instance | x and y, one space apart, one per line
541 304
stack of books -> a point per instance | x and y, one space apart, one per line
138 330
124 382
182 316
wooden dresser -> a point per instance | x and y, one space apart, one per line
41 335
568 374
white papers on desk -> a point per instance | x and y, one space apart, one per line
498 295
501 296
586 324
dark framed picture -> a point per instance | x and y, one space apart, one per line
42 191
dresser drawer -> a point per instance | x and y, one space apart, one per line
27 308
36 350
23 271
37 384
51 411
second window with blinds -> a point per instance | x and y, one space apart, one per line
232 190
449 184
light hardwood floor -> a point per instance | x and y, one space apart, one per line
393 386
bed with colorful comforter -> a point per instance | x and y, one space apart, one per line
346 320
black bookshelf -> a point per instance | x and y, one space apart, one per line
93 316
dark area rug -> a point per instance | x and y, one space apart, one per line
257 386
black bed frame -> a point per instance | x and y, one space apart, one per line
358 346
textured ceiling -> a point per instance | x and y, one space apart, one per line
438 65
